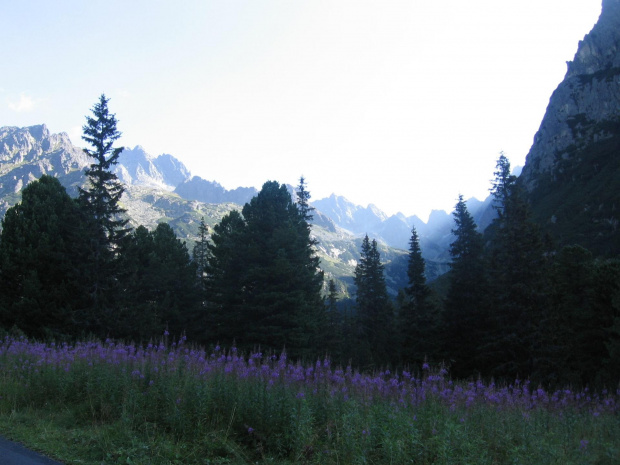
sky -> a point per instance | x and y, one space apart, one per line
402 104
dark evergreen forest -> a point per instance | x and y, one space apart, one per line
512 305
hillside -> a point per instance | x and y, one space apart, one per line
572 171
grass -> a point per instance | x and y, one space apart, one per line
109 403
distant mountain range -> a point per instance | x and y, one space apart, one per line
435 235
162 189
572 175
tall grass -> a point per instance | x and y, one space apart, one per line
264 408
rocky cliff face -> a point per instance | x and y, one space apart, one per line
572 172
136 167
28 153
585 108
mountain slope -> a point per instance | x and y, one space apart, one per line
572 171
28 153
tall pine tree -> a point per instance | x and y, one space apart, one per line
466 319
303 201
102 197
419 318
374 310
516 271
100 202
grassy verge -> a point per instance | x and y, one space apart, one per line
105 403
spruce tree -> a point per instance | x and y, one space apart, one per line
100 202
303 201
503 184
161 289
225 280
264 280
374 309
516 270
465 318
104 192
43 259
284 281
331 329
138 317
418 316
200 254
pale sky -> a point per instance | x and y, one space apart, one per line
404 104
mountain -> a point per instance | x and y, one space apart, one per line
136 167
155 191
28 153
349 216
199 189
395 231
572 171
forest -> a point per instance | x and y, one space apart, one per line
513 305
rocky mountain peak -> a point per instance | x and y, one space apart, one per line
599 49
28 153
137 167
585 108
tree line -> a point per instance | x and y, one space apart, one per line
510 306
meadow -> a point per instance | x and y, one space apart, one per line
171 403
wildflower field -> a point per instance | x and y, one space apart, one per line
109 403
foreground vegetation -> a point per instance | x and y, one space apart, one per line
108 403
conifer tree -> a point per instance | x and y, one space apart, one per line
200 254
226 280
331 331
104 192
374 309
160 287
580 327
465 318
516 271
503 184
417 290
43 258
100 202
418 316
264 279
284 282
303 201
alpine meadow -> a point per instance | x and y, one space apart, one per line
152 317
